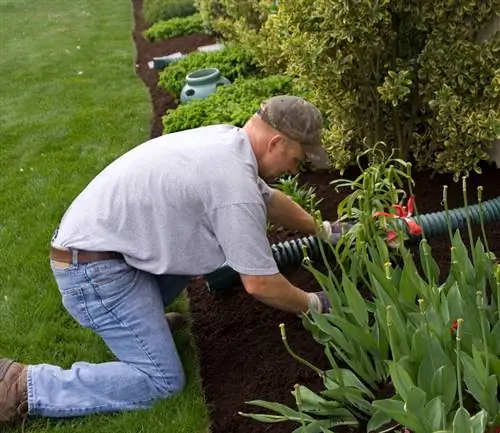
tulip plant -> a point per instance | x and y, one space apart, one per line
419 352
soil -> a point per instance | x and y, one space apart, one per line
241 354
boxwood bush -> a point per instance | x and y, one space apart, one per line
173 27
158 10
423 77
233 62
232 104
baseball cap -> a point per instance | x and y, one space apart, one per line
299 120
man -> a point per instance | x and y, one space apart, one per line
173 208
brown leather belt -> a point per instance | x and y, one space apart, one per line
82 256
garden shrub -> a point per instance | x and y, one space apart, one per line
233 62
161 10
209 10
232 104
173 27
220 15
411 74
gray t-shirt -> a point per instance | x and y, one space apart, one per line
183 203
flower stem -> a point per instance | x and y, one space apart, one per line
482 317
431 283
447 211
469 226
294 355
459 373
481 216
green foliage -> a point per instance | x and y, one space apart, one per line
232 104
414 75
221 15
209 9
379 186
433 342
161 10
233 62
177 26
304 195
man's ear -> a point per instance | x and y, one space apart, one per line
273 142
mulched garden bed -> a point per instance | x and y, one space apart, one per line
241 353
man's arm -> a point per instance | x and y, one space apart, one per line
283 211
276 291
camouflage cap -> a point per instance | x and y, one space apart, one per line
299 120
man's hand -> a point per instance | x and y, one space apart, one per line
319 302
333 231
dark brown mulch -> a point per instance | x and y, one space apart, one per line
241 353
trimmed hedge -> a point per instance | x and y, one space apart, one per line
160 10
232 104
173 27
233 62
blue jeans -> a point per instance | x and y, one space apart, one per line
125 307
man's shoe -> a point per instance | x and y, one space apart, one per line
176 320
13 391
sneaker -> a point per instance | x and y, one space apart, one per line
176 320
13 391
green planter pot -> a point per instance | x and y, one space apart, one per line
202 83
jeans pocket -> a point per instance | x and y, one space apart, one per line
76 303
113 282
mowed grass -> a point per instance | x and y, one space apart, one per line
71 102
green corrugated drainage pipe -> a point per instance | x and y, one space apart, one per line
290 252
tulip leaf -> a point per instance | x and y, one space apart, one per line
494 338
489 397
378 420
401 380
461 264
433 360
395 409
444 384
481 263
462 422
435 414
380 281
355 301
419 345
455 302
479 421
351 380
429 265
285 413
354 333
325 325
407 284
472 377
311 402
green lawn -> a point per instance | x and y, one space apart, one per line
70 103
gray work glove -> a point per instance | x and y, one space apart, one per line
319 302
333 231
